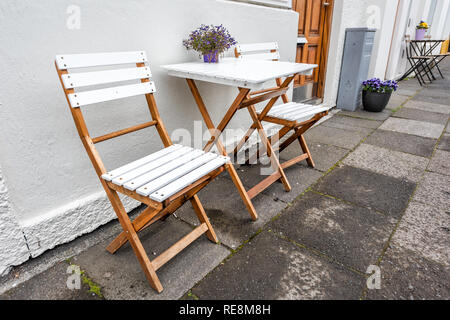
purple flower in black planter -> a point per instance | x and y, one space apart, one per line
376 93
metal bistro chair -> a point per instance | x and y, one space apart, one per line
292 116
420 63
163 180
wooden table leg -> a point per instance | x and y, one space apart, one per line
215 139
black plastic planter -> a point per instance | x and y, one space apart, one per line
375 101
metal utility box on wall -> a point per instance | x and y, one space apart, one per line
355 67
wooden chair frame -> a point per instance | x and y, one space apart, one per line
155 210
271 145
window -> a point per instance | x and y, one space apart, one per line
272 3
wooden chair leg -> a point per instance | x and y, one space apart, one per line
243 141
273 141
203 218
133 238
270 153
304 146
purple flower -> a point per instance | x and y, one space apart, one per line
207 39
376 85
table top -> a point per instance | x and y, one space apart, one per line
251 74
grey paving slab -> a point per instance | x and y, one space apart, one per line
406 92
120 276
397 100
350 123
406 275
434 190
426 106
436 91
417 128
366 188
50 285
388 162
352 235
324 156
402 142
336 137
228 214
377 116
420 115
439 85
270 268
425 230
300 178
411 84
447 130
440 163
432 99
444 144
40 264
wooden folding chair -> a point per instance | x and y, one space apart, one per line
164 180
292 116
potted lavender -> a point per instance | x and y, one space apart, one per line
210 41
376 94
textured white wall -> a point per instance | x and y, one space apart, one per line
13 249
50 177
380 58
346 14
358 14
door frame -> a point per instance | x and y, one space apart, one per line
326 37
326 18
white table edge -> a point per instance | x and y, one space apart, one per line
253 85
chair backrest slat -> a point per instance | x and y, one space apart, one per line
80 99
84 79
261 56
258 51
266 46
70 61
115 72
444 46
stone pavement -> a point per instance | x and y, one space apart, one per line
379 196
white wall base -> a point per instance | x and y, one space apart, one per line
69 222
13 249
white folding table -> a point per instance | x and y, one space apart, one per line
247 76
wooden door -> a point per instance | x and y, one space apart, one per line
314 25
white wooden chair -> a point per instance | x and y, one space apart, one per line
296 117
163 180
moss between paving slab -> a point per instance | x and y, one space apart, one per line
290 204
388 243
405 102
94 288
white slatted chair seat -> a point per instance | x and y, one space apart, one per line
293 111
164 173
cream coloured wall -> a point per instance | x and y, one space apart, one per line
53 192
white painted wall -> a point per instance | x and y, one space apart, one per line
356 14
388 10
54 193
440 22
406 25
13 249
397 59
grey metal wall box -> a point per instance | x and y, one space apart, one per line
355 67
